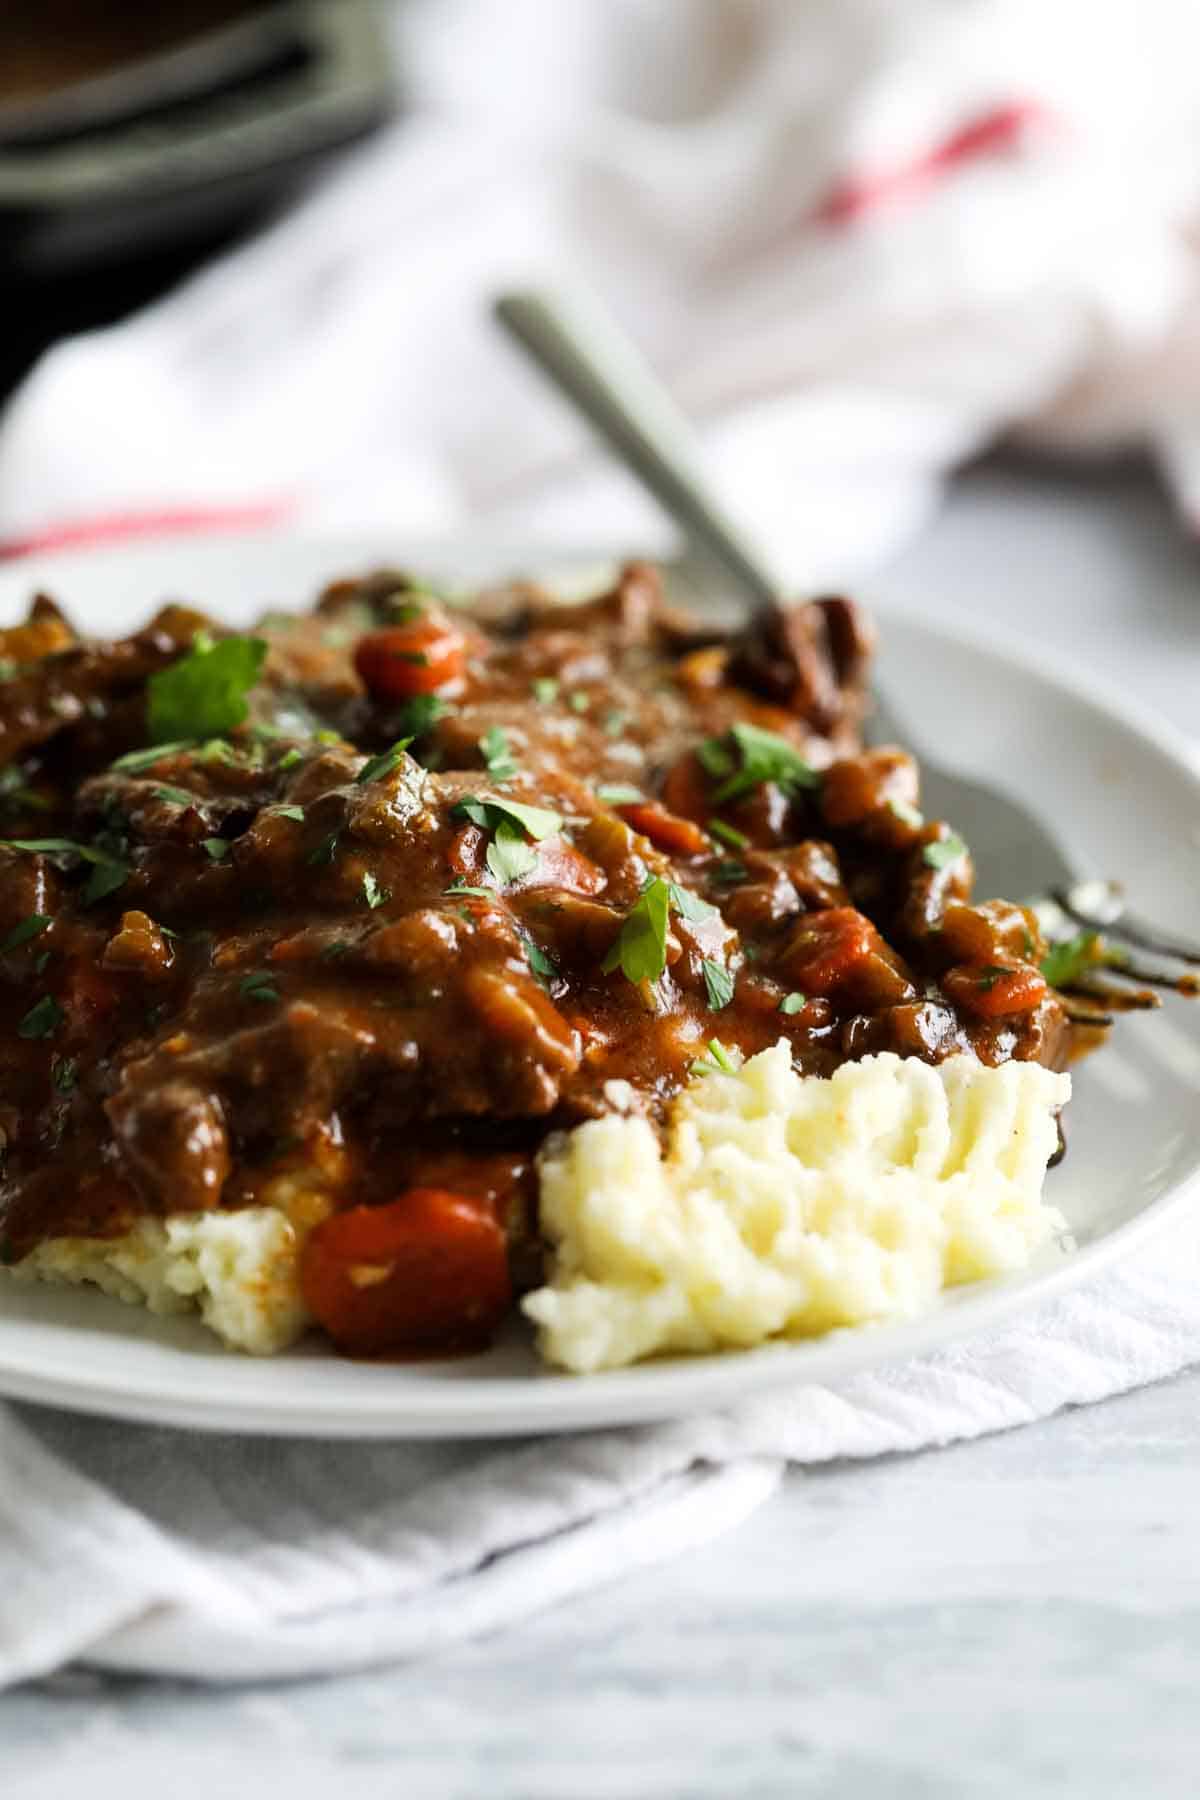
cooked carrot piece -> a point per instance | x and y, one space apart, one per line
665 829
993 990
404 660
428 1271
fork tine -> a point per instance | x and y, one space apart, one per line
1124 925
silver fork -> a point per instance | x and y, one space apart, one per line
595 367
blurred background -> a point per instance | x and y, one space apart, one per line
248 251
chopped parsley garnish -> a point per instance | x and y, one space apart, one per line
42 1020
1064 963
376 767
459 886
755 756
496 751
509 857
108 871
614 722
578 702
419 714
617 793
488 811
718 984
728 834
689 905
258 987
30 927
640 947
134 761
324 852
175 796
908 815
64 1073
990 975
542 965
290 758
948 850
544 689
718 1061
215 847
290 812
373 894
204 693
729 873
793 1003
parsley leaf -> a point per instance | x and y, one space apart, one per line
946 851
542 965
728 834
579 702
175 796
545 689
907 815
718 1061
324 852
793 1003
509 857
1065 962
689 905
373 894
290 812
989 976
421 713
618 793
64 1073
496 751
487 810
30 927
215 847
718 984
640 947
42 1020
459 886
108 871
258 986
204 693
136 760
763 755
376 767
290 758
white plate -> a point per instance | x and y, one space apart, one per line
1124 791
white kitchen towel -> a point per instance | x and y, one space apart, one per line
229 1559
860 239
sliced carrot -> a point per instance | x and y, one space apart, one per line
995 991
404 660
428 1271
665 829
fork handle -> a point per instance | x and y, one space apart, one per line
595 366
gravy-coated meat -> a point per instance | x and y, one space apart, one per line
456 872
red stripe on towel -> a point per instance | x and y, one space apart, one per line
999 129
118 527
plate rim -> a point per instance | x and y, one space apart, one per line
670 1388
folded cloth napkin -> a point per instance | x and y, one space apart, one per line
228 1559
860 240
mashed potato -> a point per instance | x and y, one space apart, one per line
787 1205
238 1269
783 1206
